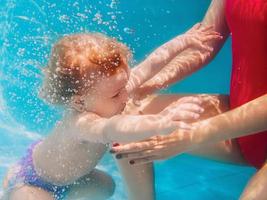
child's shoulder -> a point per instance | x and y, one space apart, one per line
75 118
86 116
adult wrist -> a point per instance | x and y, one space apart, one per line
204 133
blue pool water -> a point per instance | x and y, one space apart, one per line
28 28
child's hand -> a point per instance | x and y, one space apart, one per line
185 109
198 35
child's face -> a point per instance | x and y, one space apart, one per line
109 95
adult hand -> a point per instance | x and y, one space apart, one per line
154 148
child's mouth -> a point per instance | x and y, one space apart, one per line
123 106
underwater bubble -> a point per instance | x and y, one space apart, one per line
129 30
75 4
98 18
21 51
114 3
81 15
52 5
64 18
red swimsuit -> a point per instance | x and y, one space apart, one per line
247 21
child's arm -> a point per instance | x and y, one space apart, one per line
128 128
195 37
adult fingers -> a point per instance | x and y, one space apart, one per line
206 28
131 147
135 155
141 161
190 99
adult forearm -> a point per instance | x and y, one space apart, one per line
157 60
162 55
247 119
192 59
180 67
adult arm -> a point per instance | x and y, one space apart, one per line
191 59
195 37
245 120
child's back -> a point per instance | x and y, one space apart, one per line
63 161
66 156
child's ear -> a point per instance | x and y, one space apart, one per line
77 103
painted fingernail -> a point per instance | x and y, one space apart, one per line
111 151
131 162
118 156
116 144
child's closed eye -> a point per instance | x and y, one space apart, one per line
116 95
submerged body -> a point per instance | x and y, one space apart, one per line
61 179
89 75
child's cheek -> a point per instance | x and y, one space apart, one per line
124 96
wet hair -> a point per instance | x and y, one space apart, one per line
77 61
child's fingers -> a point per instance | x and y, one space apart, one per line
192 107
211 32
186 115
206 28
136 102
211 37
196 26
198 43
206 47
